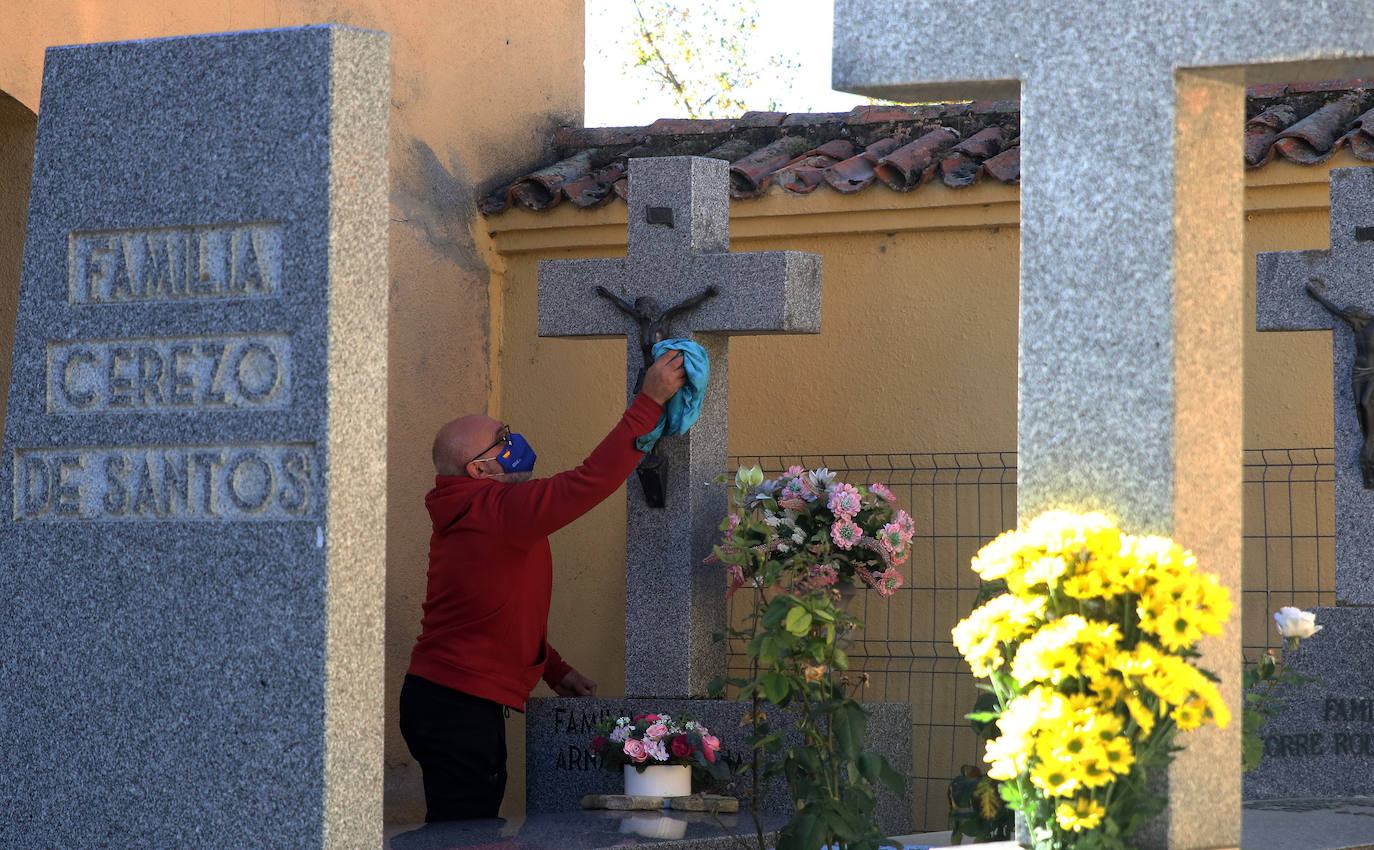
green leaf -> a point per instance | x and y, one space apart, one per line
775 687
870 766
1251 750
716 686
798 621
847 724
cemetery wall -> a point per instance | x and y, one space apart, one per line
917 353
475 94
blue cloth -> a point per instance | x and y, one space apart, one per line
682 410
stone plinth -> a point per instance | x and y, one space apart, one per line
560 767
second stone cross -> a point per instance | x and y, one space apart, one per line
677 249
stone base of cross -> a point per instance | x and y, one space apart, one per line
1344 277
678 244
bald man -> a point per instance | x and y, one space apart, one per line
483 638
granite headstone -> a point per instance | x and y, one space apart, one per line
1130 349
191 544
1322 743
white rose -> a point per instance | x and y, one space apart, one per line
1295 624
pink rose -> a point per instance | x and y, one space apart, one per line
634 748
656 731
709 745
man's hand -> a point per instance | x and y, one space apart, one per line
575 685
665 377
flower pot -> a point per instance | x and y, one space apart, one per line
658 780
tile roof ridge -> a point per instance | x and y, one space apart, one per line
902 146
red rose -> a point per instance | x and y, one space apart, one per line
710 754
599 744
682 748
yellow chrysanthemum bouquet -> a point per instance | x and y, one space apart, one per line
1090 653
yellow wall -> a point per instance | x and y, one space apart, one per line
17 126
477 89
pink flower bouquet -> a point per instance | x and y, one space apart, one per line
651 739
814 530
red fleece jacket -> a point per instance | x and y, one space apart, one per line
485 624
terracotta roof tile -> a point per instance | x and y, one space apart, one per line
902 147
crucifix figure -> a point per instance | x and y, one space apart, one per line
1361 372
678 253
1287 299
653 469
1131 298
653 322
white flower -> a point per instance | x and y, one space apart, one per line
619 734
821 479
772 519
797 536
657 751
1295 624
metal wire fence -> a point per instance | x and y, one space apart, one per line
961 500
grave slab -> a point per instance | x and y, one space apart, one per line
1130 343
193 496
581 830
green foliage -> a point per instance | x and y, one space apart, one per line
702 55
977 808
793 638
1262 704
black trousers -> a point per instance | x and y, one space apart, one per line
460 742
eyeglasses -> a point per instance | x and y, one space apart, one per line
502 436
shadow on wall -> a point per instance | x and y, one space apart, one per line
17 126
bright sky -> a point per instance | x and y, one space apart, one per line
800 29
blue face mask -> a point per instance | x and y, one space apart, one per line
516 456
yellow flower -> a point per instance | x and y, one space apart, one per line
814 672
1054 778
1051 654
1083 813
999 557
1088 584
1003 619
1143 717
1176 626
1190 714
1118 755
1044 570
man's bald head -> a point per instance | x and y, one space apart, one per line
462 440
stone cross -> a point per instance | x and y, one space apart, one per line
1282 304
679 238
1131 262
